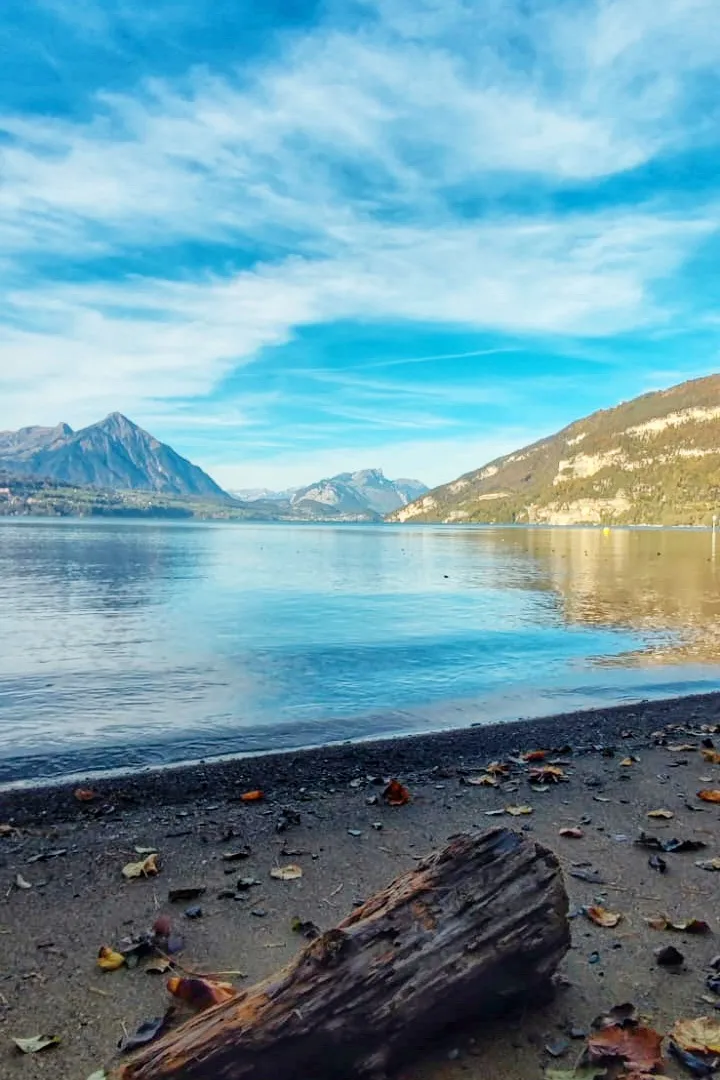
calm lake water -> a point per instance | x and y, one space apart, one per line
128 644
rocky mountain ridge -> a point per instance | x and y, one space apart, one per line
654 460
367 493
113 454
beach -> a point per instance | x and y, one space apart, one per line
323 810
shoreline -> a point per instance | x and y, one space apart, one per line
411 757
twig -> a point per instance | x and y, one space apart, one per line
326 899
97 990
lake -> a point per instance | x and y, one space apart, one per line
125 644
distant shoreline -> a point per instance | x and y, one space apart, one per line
410 756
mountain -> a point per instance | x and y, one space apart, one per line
113 454
653 460
366 494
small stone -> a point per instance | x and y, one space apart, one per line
372 800
578 1033
669 956
557 1047
453 1055
594 958
377 825
259 912
354 832
193 912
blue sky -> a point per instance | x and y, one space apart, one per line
293 238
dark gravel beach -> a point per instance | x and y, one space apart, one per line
616 770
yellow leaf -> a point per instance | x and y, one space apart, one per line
516 811
109 960
481 781
627 762
602 917
665 814
698 1036
286 873
145 868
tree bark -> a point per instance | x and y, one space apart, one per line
472 929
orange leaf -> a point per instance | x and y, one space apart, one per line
85 794
689 926
396 794
535 755
252 796
712 756
200 993
709 795
551 773
602 917
638 1046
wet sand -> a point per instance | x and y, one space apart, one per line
50 933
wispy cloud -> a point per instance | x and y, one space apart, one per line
429 164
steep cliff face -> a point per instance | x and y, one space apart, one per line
114 453
652 460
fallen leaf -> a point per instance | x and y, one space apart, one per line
200 993
145 868
36 1043
545 774
145 850
638 1046
252 796
665 814
307 928
627 762
186 892
535 755
688 926
497 768
709 795
572 834
624 1015
147 1032
713 756
494 813
396 794
286 873
709 864
481 781
517 811
109 960
681 748
159 966
701 1035
602 917
6 830
237 856
21 883
85 794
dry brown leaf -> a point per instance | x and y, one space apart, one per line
252 796
709 795
547 774
713 756
145 868
572 834
200 993
688 926
109 960
286 873
681 748
85 794
6 830
638 1046
517 811
535 755
396 794
602 917
664 814
698 1036
497 768
481 781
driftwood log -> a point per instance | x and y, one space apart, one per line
472 929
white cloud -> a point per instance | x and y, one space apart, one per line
341 161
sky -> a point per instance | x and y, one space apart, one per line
296 237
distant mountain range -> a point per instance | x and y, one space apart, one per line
113 454
367 493
653 460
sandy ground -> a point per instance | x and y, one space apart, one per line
50 933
